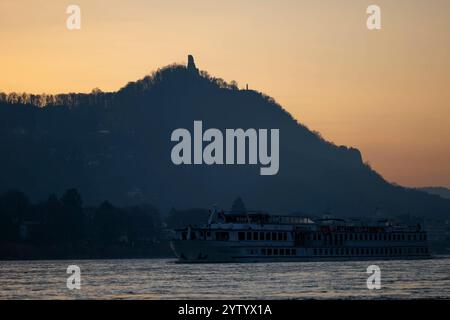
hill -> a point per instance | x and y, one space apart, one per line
116 146
439 191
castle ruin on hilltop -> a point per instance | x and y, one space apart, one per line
191 65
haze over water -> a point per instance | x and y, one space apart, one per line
163 279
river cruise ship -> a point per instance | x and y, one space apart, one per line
260 237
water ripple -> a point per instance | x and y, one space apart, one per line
163 279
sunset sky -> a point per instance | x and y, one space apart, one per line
385 92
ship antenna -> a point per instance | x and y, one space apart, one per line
248 217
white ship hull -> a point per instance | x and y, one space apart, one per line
199 251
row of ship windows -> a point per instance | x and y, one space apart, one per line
282 236
341 252
371 251
276 251
267 236
370 236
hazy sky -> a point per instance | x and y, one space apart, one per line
385 92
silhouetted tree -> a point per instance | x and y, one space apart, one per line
238 206
14 207
107 223
3 97
72 208
55 223
143 223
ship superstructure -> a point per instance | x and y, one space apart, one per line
257 237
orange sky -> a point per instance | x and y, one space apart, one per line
385 92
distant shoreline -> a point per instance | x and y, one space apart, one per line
433 256
28 252
88 259
160 250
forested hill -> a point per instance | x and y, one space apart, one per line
116 146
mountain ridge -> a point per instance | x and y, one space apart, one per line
443 192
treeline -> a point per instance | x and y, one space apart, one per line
62 227
65 221
105 99
96 97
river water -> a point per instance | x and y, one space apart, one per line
164 279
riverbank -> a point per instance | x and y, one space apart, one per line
24 251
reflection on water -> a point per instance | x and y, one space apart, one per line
163 279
